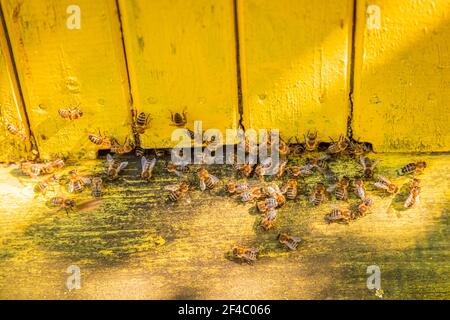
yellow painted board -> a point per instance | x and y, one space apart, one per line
12 148
62 66
181 55
402 75
294 57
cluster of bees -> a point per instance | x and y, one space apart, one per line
267 196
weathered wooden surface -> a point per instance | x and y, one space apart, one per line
181 57
136 246
295 59
402 64
60 67
11 109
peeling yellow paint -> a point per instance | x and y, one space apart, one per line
62 67
294 62
402 75
181 56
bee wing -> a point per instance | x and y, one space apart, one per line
86 180
380 185
214 179
290 246
266 162
122 165
187 197
152 164
374 164
109 158
171 187
70 187
362 160
332 188
143 161
89 205
202 185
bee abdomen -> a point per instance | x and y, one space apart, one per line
410 167
341 194
140 121
291 193
96 140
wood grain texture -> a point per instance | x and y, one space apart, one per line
181 56
62 68
295 65
11 109
402 76
136 246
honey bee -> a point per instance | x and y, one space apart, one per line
97 187
364 206
252 194
288 241
178 191
114 167
300 171
268 220
178 169
413 167
340 189
63 203
52 166
357 149
147 168
142 123
244 254
318 163
281 168
360 189
246 169
206 179
16 132
101 141
44 185
270 190
263 168
233 187
311 141
267 204
290 189
178 120
71 113
414 192
338 146
340 215
139 151
368 166
385 184
318 195
283 149
69 204
77 182
127 147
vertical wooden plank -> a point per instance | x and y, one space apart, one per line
295 65
181 56
12 148
61 66
402 75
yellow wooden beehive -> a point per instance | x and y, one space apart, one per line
378 71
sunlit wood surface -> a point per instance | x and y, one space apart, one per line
137 246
